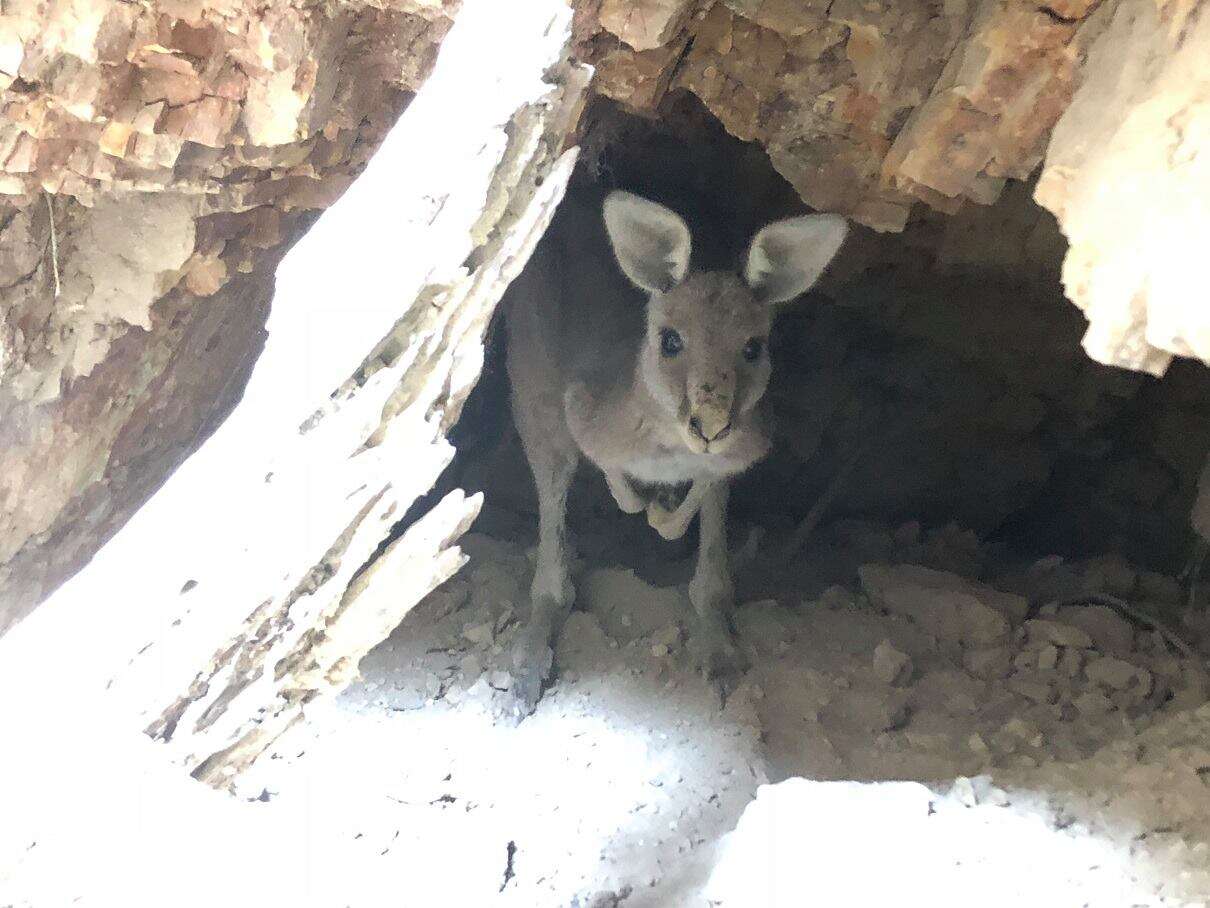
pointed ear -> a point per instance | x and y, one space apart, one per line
650 242
787 257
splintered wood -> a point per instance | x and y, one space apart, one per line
279 571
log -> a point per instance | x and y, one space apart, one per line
255 580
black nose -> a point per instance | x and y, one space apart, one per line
695 426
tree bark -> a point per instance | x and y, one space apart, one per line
280 575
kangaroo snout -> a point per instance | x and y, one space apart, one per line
711 423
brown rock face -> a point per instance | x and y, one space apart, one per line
869 108
155 162
863 108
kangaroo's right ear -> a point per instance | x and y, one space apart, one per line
650 242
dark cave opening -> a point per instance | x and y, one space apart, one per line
944 362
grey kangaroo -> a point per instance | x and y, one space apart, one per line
654 398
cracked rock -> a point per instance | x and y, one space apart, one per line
890 665
948 606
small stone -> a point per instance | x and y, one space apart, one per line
1025 661
890 665
990 663
1109 631
1019 728
1048 658
875 712
669 636
1117 673
1065 712
976 743
659 650
1070 662
964 792
948 606
1033 688
977 791
480 634
1040 632
1092 703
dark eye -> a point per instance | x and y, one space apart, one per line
670 342
753 348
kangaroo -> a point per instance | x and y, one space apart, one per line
654 396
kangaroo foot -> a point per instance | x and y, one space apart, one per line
714 653
532 665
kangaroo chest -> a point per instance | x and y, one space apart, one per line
664 466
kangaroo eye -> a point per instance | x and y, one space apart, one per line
670 342
753 348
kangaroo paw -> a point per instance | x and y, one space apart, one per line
670 524
714 653
628 500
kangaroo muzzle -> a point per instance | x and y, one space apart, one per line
710 414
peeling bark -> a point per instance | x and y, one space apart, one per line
291 502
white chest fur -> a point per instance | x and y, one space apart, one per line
670 467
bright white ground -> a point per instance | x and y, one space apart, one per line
624 785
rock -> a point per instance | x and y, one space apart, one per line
873 712
991 662
1108 630
1070 662
890 665
480 634
627 607
644 24
1015 734
1118 674
1042 631
1092 703
977 790
946 605
763 625
1033 687
1048 658
668 637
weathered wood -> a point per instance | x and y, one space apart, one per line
272 588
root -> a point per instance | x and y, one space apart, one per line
1121 605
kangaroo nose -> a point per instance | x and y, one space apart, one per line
715 432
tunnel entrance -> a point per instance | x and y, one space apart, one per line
966 564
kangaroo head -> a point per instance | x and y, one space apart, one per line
705 357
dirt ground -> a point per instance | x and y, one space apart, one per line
905 735
967 744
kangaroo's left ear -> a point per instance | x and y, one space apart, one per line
787 257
